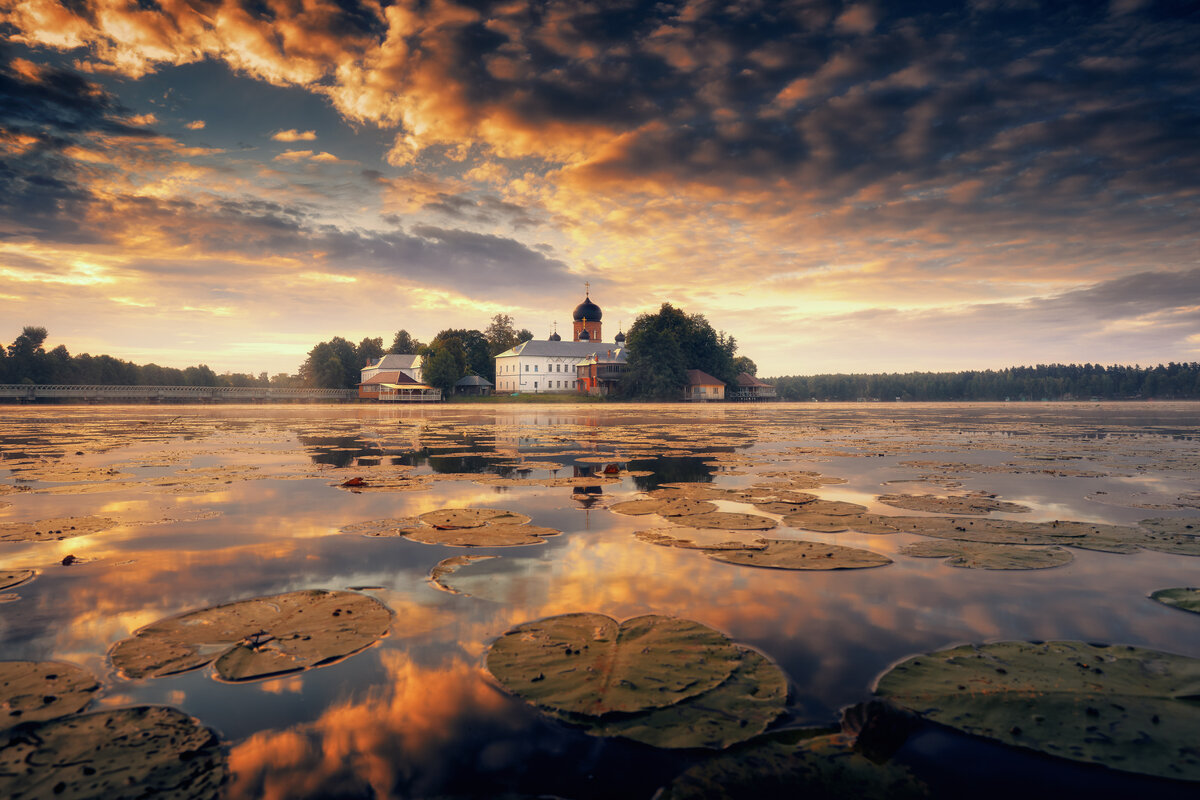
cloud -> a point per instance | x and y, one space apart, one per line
293 135
195 125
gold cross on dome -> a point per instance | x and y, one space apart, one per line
587 287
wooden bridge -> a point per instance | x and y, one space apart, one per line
173 394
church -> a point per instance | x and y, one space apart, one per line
540 366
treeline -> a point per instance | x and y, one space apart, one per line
1173 381
453 354
27 361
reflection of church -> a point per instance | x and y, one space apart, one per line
552 365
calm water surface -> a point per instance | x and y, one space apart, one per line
418 716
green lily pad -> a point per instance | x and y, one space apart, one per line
676 507
450 518
975 555
148 751
801 555
1127 708
381 527
741 707
35 691
488 535
836 523
785 765
702 539
257 638
590 664
1187 599
1176 535
15 577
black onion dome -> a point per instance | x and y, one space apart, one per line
554 337
584 336
619 338
588 310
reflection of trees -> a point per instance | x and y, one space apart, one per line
670 470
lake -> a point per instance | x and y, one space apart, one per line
195 507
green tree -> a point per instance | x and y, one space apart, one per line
477 357
442 367
404 344
369 350
663 346
744 364
501 335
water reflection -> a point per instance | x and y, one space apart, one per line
417 715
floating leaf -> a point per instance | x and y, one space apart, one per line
793 554
15 577
794 764
590 664
974 555
826 523
1127 708
448 566
452 518
1187 599
489 535
727 520
702 539
974 503
256 638
148 751
1177 535
55 529
738 709
674 507
381 527
35 691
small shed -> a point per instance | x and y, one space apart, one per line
701 387
473 385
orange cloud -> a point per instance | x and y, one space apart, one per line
293 135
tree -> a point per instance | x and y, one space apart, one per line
663 346
369 350
744 364
501 336
474 348
405 344
441 367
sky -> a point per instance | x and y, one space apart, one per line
841 186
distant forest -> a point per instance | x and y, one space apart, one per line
1174 381
27 361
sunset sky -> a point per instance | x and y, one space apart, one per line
844 187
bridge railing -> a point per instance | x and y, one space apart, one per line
101 392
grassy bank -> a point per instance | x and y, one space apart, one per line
550 399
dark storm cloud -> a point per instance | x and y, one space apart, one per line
44 111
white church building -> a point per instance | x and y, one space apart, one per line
540 366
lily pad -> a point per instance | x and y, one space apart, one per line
35 691
15 577
976 555
801 555
589 664
741 707
453 518
795 764
47 530
1187 599
1127 708
826 523
124 753
448 566
702 539
381 527
256 638
974 503
489 535
1176 535
727 520
676 507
